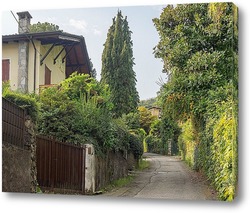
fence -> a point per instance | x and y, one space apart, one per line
13 121
60 165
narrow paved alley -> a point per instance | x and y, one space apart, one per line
166 178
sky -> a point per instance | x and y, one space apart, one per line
93 25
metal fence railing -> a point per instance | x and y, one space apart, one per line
13 123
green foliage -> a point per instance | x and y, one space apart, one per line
145 118
170 132
221 136
136 145
43 27
198 44
58 116
117 67
132 120
25 101
118 183
143 164
187 143
148 103
153 144
78 111
93 72
75 111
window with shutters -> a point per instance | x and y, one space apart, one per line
5 69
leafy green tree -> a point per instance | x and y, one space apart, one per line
93 72
197 55
43 27
117 67
145 118
79 111
198 44
132 120
149 102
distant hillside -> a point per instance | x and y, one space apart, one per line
148 103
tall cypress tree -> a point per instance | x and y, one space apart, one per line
117 67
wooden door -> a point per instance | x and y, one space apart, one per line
47 76
5 69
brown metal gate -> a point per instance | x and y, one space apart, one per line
60 165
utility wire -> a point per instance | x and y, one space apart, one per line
31 40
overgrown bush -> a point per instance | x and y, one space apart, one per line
187 144
215 152
222 167
25 101
199 47
135 145
153 144
78 111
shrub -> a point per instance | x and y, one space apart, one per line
78 111
223 167
25 101
136 145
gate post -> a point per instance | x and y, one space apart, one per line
90 169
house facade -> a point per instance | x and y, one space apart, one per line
155 111
31 61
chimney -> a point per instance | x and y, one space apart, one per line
24 22
23 52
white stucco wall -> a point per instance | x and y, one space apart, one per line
90 169
10 51
57 69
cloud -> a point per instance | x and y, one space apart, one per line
79 25
83 27
97 32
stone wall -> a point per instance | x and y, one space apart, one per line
16 172
113 166
30 142
19 164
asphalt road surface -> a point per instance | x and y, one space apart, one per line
167 178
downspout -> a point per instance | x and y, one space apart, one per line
34 64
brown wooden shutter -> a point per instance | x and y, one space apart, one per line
5 69
47 76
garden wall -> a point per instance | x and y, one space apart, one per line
18 150
16 170
113 166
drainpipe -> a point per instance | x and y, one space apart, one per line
34 64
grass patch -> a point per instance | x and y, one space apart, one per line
123 181
118 183
143 164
